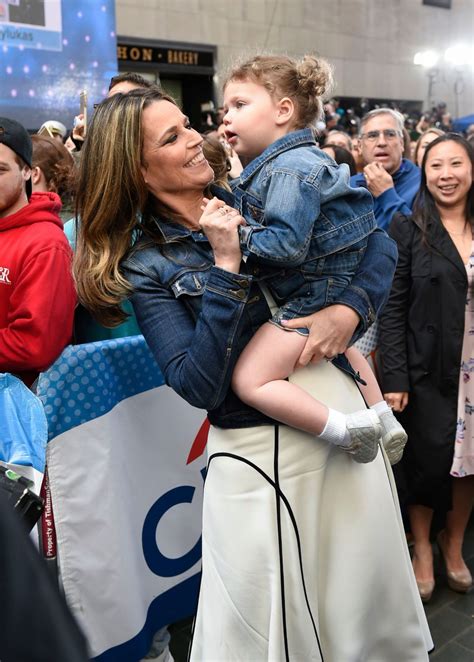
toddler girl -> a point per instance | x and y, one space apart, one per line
304 219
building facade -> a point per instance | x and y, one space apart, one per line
371 44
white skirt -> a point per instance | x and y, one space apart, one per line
303 550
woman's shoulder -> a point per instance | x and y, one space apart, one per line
406 221
165 263
404 228
399 218
144 250
142 255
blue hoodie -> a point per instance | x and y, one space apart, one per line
398 199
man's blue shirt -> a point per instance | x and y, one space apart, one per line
398 199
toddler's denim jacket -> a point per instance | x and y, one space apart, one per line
305 221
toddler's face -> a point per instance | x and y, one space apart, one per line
250 118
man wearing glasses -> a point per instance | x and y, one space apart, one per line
392 180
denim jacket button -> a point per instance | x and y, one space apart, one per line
240 294
243 281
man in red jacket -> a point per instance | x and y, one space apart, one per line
37 295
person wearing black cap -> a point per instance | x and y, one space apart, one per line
37 295
15 137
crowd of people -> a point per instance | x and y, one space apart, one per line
252 258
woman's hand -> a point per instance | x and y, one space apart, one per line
330 331
220 223
396 401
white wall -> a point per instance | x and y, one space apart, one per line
370 42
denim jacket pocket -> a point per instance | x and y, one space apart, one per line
191 283
253 211
249 205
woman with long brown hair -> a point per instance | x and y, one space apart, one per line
291 525
427 353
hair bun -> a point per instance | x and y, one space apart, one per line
314 75
306 81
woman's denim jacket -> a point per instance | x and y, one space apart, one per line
197 318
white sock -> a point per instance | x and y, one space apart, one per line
380 408
335 430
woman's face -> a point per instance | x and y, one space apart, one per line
425 141
448 172
173 161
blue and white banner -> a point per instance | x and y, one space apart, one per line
126 469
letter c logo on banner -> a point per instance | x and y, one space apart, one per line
158 563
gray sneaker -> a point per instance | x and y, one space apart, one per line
394 437
365 431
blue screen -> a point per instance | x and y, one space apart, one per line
51 50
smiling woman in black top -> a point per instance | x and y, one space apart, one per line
427 357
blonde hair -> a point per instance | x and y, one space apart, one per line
111 194
306 82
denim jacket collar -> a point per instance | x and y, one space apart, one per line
171 231
291 140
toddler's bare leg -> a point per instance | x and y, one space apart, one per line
260 374
371 391
259 380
